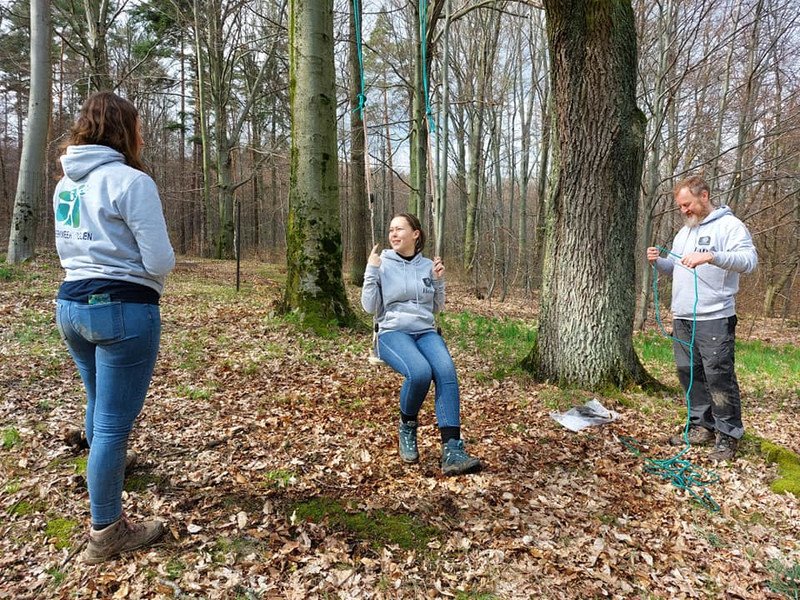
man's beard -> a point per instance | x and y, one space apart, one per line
693 220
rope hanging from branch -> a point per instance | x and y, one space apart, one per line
431 178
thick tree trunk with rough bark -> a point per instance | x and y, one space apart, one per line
30 183
585 328
314 284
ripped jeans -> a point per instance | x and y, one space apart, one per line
114 346
714 398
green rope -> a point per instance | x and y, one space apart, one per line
423 35
678 471
362 96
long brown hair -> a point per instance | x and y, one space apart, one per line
413 221
108 120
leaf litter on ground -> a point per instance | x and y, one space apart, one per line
271 454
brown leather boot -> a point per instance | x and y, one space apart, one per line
698 436
725 448
119 537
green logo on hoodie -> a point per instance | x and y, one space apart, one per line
68 211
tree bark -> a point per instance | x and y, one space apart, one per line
358 149
652 176
418 141
30 182
586 322
314 284
442 162
202 121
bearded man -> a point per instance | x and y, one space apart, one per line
714 247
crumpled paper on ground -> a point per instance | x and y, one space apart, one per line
580 417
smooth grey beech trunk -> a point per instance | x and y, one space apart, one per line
314 284
30 183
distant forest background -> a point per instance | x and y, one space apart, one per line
718 84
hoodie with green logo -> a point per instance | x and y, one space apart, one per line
402 294
109 220
717 282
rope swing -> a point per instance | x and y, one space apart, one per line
373 358
374 355
423 35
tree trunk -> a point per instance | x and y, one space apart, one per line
184 215
526 105
314 285
389 204
224 163
741 174
418 142
219 90
97 50
652 176
542 188
202 121
440 206
585 328
473 186
30 183
358 149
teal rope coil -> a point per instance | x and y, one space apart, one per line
423 35
362 96
677 470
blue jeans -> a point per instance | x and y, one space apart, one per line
422 358
114 346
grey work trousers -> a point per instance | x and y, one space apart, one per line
714 400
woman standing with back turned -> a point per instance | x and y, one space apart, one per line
403 289
113 244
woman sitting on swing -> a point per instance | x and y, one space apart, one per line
403 289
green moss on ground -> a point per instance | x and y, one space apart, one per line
788 467
59 531
376 527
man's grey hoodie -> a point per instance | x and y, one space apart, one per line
402 294
109 220
717 282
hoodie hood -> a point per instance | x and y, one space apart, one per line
715 214
390 254
79 161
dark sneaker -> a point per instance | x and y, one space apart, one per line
698 436
407 443
456 461
725 448
131 458
121 536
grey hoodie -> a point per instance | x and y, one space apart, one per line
109 220
717 283
402 294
